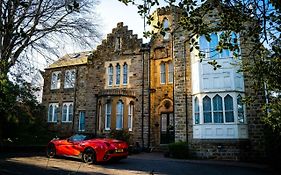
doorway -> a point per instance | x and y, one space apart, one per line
167 128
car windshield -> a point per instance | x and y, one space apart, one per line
80 137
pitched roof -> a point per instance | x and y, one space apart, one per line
71 60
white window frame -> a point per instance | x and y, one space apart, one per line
119 115
79 123
107 121
196 110
130 116
56 80
70 81
69 112
228 110
53 116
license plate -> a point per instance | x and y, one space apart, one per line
119 150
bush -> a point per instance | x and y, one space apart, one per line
178 150
122 134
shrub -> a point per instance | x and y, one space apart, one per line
178 150
122 134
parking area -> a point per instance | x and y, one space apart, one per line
144 163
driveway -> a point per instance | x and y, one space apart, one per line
144 163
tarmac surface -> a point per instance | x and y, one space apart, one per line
142 163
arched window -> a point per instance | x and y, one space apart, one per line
166 28
162 73
125 73
130 116
119 115
110 75
213 44
70 112
171 72
196 111
107 116
207 111
240 108
64 113
50 113
217 107
117 74
228 106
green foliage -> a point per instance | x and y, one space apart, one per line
178 150
122 134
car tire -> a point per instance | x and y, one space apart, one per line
89 156
51 151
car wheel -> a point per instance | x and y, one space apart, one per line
51 151
89 156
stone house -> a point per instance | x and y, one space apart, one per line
160 92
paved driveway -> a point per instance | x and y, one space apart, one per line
144 163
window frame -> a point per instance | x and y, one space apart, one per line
130 116
125 73
108 117
69 112
56 82
71 83
170 72
82 129
119 115
162 73
110 75
118 74
53 117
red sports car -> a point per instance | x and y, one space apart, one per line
88 148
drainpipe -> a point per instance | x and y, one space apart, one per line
74 101
149 102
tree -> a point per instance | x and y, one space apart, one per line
38 26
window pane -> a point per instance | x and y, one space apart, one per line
228 105
64 112
165 27
82 121
56 113
117 74
203 43
70 113
125 73
119 115
108 116
207 110
217 107
50 113
162 73
240 107
110 75
196 111
130 117
213 44
171 72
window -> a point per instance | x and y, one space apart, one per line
240 107
117 74
208 48
130 116
55 82
162 73
228 106
166 28
171 72
67 112
217 109
110 75
125 73
207 111
107 116
119 115
53 112
81 123
196 111
69 79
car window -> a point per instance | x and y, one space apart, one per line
77 137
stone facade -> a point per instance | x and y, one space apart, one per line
154 84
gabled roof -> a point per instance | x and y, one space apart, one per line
71 60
